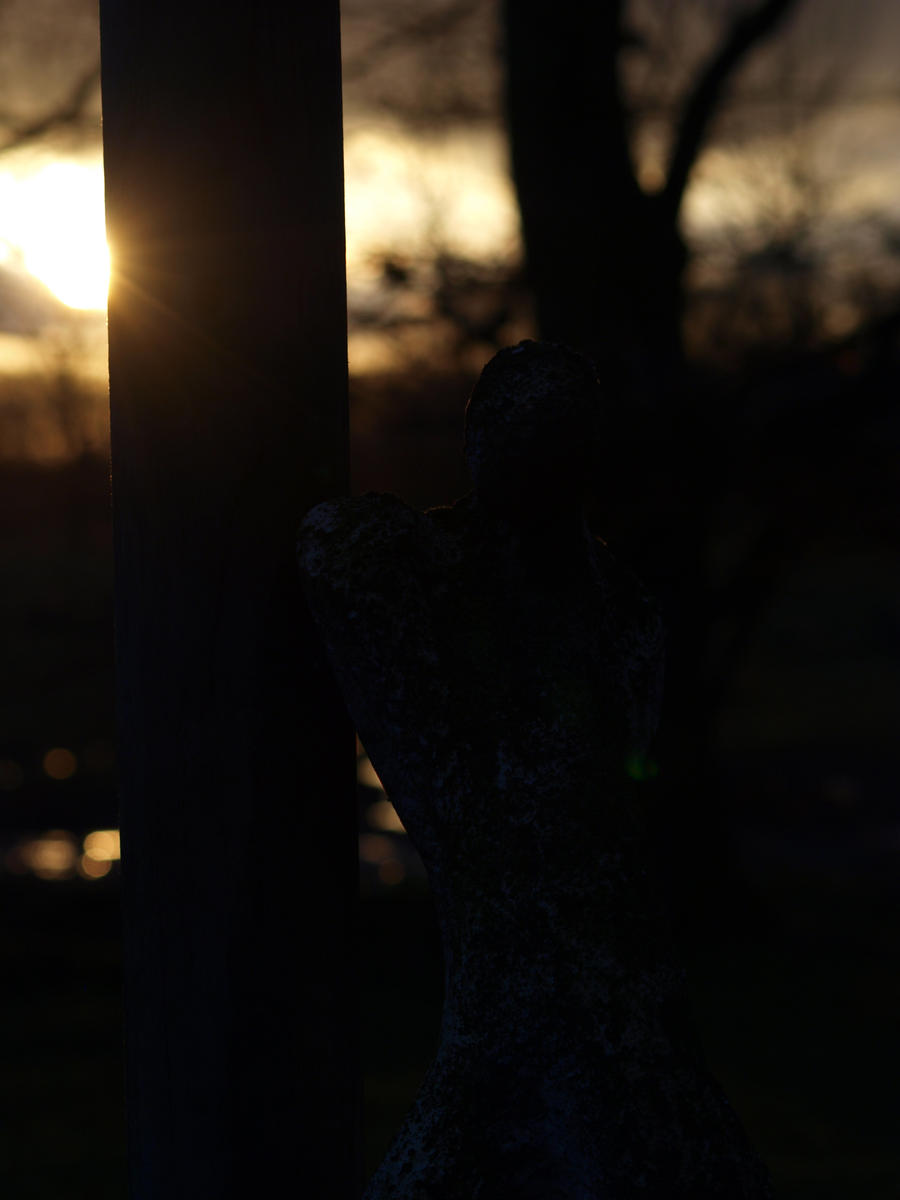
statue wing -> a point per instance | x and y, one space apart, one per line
370 566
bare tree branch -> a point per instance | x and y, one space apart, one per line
748 31
423 28
67 113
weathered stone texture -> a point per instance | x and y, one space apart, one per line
505 678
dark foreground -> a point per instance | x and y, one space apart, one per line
799 1022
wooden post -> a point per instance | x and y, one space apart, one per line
222 136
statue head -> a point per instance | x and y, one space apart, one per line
531 425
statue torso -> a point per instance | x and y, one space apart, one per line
506 686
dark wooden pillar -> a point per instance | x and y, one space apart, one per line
222 135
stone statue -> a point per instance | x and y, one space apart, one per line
504 674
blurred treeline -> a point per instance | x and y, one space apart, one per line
706 206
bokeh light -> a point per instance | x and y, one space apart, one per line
52 856
92 868
366 774
102 845
60 763
375 848
383 815
391 872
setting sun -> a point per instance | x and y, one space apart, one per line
54 219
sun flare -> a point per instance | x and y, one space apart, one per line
54 219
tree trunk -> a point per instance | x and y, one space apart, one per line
222 135
606 263
604 259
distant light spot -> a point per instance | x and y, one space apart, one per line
11 775
92 868
374 848
366 775
640 768
60 763
383 815
52 856
651 175
102 845
391 872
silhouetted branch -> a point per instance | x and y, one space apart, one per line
67 113
748 31
423 28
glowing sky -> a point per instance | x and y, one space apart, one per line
52 221
402 192
415 195
409 193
